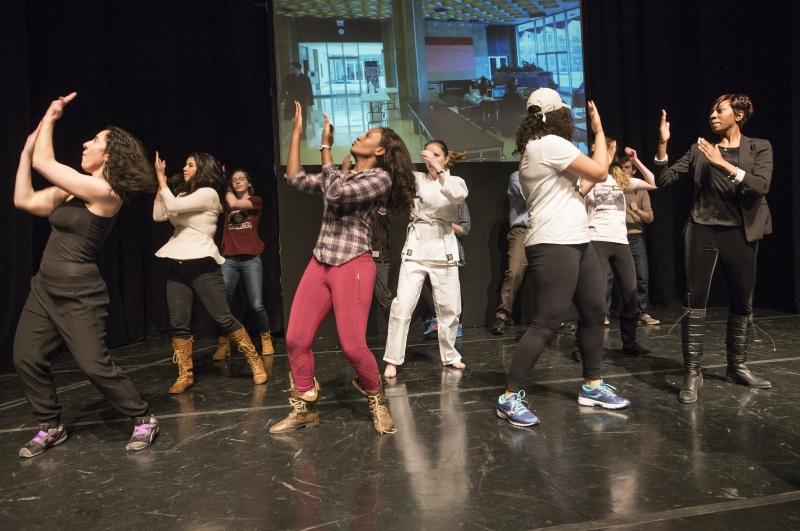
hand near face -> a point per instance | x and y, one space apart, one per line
161 166
631 153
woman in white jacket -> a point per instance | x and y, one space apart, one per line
193 262
431 250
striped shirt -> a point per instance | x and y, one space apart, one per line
347 216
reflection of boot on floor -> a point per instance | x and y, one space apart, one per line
381 419
182 357
692 330
737 342
304 411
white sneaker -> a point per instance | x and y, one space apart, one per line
648 319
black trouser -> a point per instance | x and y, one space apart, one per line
201 277
561 274
57 313
705 244
618 257
383 291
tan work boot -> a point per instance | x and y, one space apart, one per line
246 347
182 357
266 344
304 411
381 419
223 349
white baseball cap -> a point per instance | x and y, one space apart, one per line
546 99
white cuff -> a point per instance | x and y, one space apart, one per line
739 176
660 162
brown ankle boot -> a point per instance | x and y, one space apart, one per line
182 357
381 419
223 349
266 344
304 410
246 347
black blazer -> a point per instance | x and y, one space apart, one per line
755 158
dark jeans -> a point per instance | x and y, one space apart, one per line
707 244
57 313
250 270
561 274
639 253
201 277
617 258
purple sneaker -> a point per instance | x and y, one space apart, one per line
144 433
45 439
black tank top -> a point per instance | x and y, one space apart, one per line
75 238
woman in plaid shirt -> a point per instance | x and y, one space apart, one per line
341 273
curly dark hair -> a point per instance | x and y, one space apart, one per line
537 124
209 174
451 157
127 169
739 103
396 160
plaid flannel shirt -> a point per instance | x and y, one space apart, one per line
347 216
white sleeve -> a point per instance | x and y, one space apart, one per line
557 152
454 189
200 200
639 184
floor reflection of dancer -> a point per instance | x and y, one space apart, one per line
341 274
561 259
431 250
605 204
193 262
242 248
729 215
68 300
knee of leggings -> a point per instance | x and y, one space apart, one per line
296 343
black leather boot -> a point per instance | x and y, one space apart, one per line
627 328
692 330
737 342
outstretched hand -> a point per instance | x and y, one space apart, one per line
594 117
56 108
663 128
298 118
327 130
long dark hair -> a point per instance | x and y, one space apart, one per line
451 157
537 124
209 174
127 169
396 160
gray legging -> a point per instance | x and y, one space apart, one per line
561 274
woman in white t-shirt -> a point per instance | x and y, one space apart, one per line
431 250
605 205
561 260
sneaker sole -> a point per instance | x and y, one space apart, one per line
502 415
591 403
27 454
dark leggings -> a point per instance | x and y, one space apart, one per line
705 244
618 257
561 274
201 277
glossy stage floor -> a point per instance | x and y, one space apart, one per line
730 462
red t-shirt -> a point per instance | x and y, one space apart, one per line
240 232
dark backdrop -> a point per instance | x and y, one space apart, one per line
188 75
183 75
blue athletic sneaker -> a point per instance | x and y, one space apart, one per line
603 395
514 411
460 330
431 326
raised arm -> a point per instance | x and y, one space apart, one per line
39 203
647 175
61 175
295 174
666 175
592 170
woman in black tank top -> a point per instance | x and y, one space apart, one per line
68 299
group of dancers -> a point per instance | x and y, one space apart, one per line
576 231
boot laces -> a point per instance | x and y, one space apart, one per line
299 406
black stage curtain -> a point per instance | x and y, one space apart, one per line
649 55
182 75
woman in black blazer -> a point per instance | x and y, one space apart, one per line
729 215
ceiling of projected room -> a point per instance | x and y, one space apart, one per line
487 11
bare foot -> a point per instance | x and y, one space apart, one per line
390 371
457 365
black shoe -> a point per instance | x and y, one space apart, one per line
499 327
740 374
690 390
635 349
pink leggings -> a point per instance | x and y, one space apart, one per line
347 289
